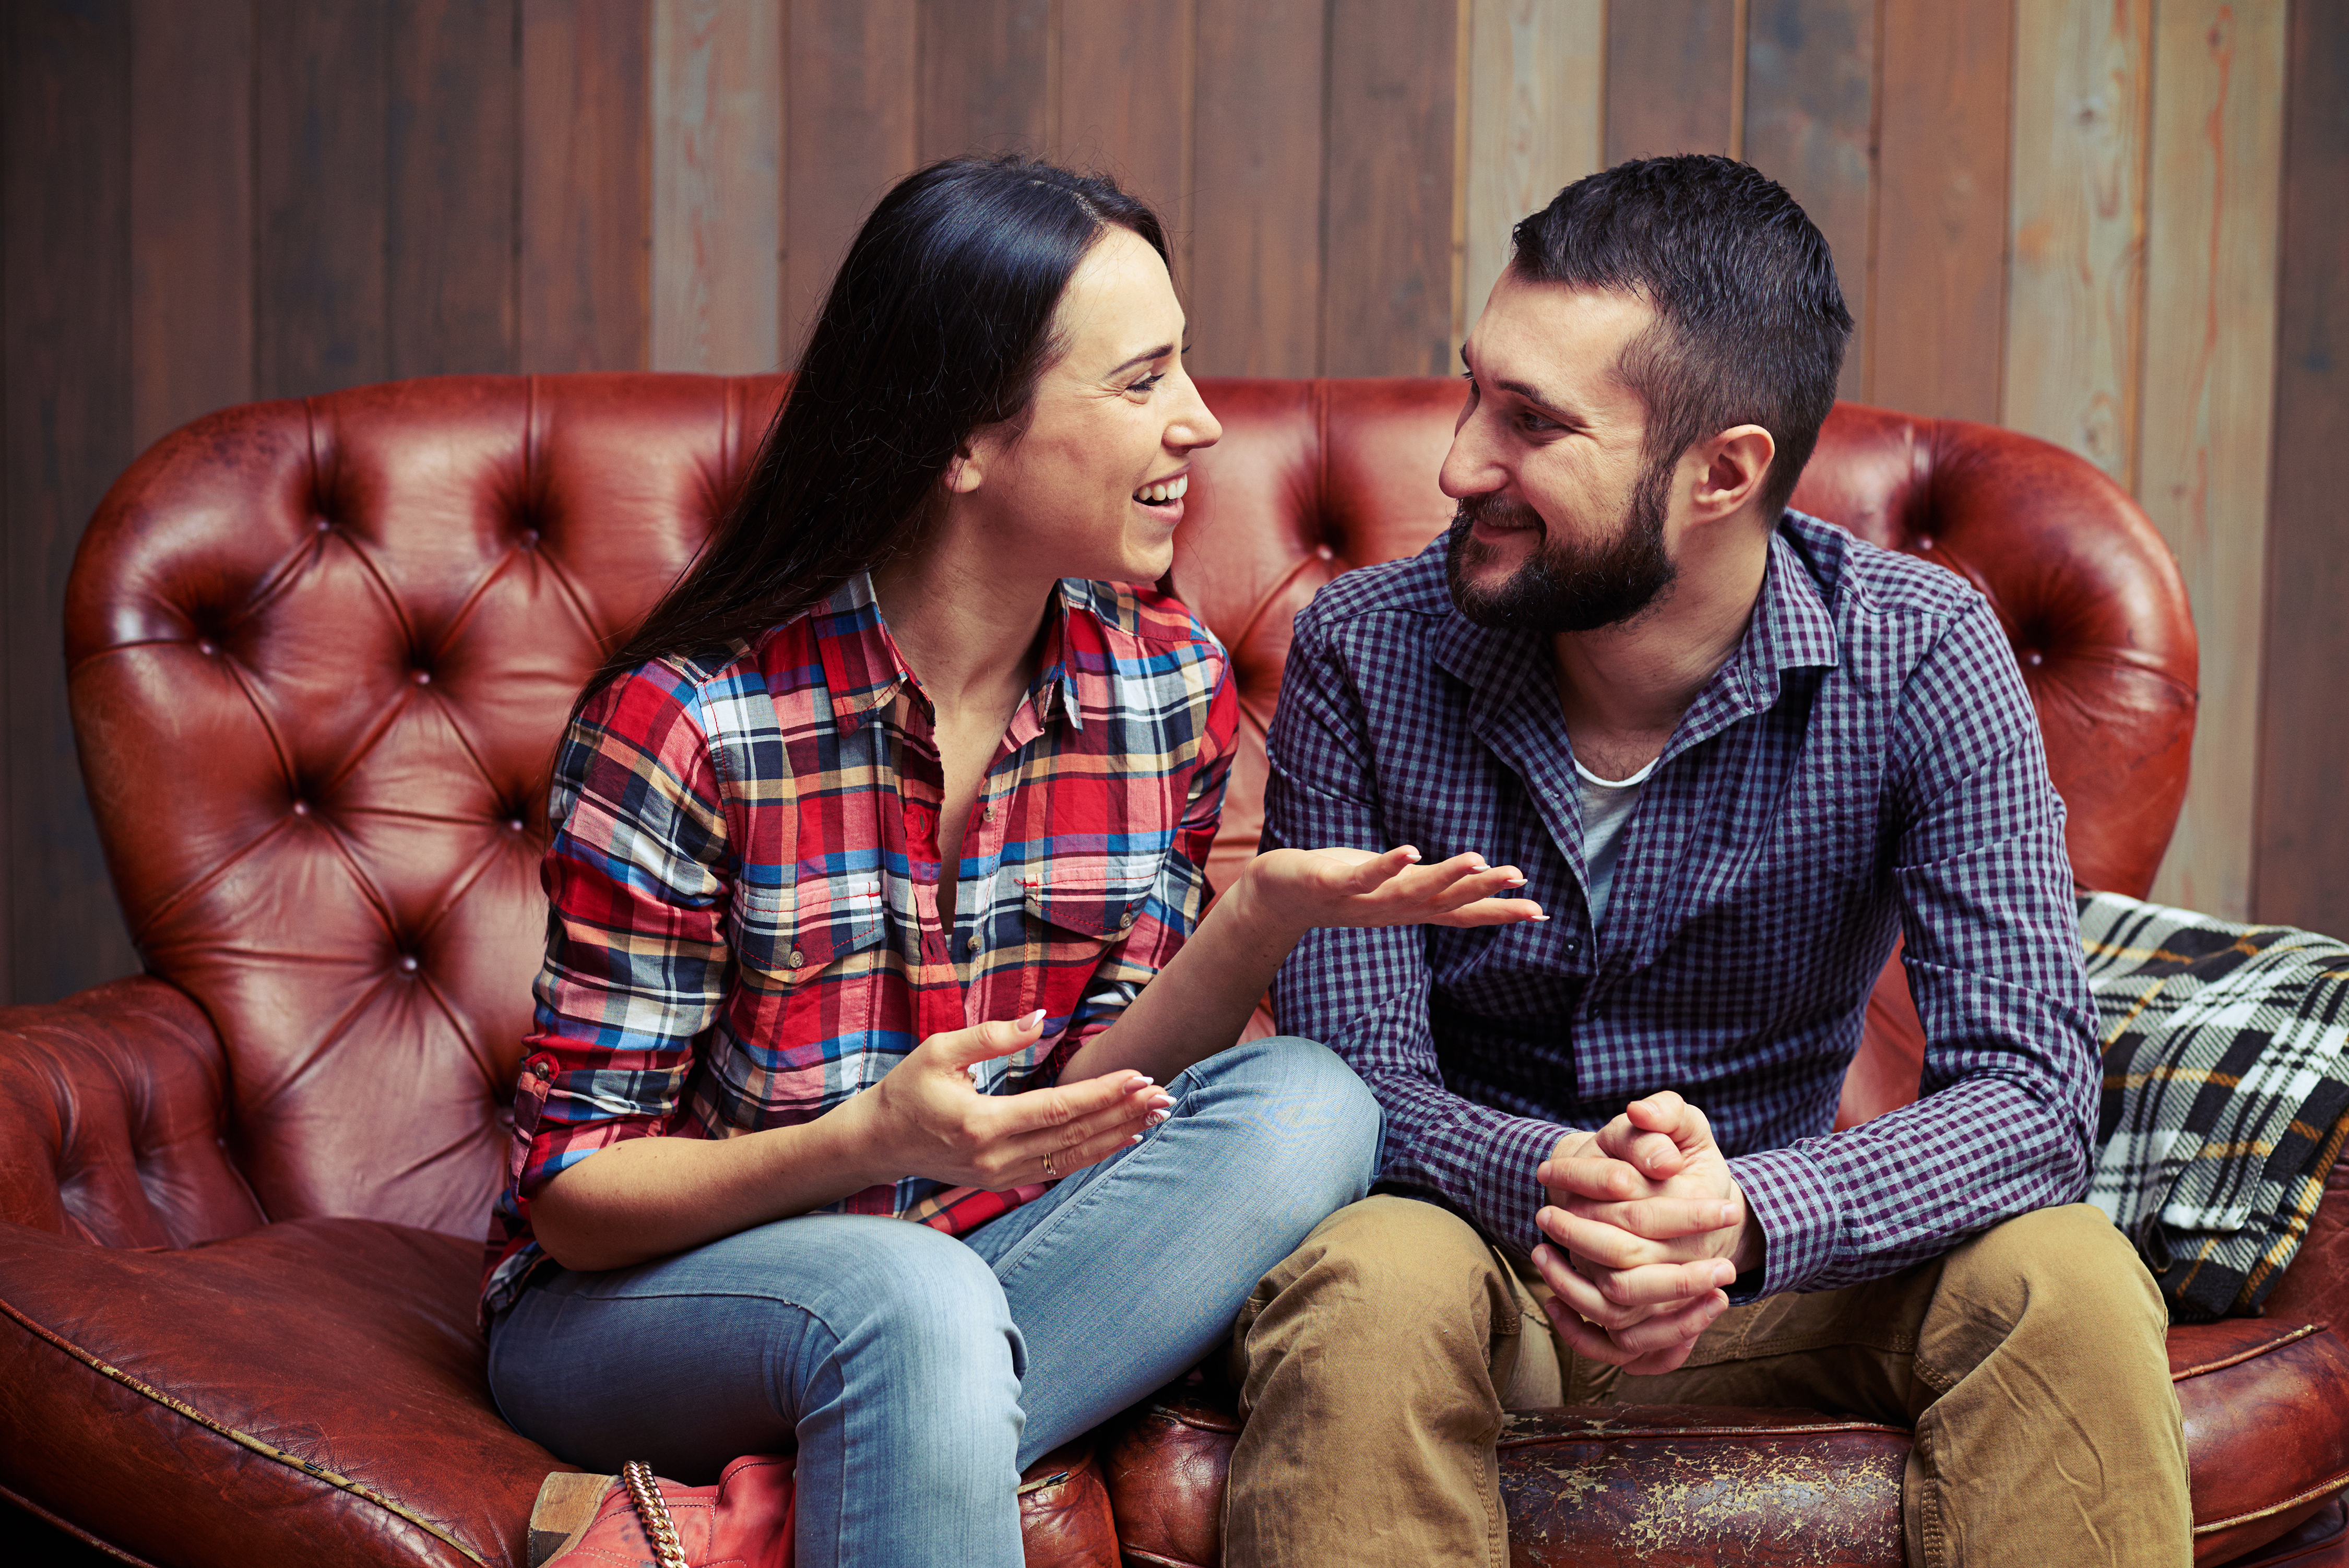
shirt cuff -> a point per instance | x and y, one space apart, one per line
1508 1193
1797 1206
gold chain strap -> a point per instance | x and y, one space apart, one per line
652 1512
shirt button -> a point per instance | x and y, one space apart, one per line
973 944
798 959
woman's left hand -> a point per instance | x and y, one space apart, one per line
1301 888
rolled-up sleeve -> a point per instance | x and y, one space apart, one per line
637 879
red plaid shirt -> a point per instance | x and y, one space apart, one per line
744 875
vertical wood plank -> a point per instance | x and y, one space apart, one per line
1536 119
1672 73
65 363
1125 84
320 102
1937 297
454 155
1258 140
2076 285
2302 876
985 76
191 212
1810 77
585 282
1387 282
718 181
850 123
2209 381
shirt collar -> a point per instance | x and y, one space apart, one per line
863 668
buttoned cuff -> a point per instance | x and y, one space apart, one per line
1797 1206
1508 1193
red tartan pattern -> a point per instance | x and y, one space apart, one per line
744 928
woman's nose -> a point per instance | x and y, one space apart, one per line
1195 425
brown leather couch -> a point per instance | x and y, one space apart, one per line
319 652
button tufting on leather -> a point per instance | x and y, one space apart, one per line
514 825
325 527
2034 658
423 677
408 963
301 807
207 647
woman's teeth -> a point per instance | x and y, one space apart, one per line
1159 495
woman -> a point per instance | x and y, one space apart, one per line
867 842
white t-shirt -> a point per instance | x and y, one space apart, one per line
1606 806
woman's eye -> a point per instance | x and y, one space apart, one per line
1148 383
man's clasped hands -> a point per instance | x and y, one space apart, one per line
1646 1228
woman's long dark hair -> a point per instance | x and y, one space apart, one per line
938 325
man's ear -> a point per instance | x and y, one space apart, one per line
1735 463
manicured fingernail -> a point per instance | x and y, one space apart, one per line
1133 1140
1032 1019
1145 1077
1154 1118
1517 884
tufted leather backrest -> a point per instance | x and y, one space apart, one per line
320 653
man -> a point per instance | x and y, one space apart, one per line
1735 752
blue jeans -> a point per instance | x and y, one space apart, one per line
917 1374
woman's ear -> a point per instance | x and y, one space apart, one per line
974 459
964 470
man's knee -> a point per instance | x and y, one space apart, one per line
1384 1271
2071 1259
2065 1274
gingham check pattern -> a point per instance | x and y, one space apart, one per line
1868 760
2226 1093
744 925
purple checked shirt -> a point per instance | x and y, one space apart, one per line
1866 762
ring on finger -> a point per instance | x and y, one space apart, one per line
1049 1174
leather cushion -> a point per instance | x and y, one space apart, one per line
311 1391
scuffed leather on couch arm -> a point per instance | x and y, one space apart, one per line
112 1119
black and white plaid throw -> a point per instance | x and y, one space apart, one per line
2226 1094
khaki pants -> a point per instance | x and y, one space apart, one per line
1375 1361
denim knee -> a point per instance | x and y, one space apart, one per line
920 1300
1319 1125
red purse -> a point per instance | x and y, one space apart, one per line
643 1522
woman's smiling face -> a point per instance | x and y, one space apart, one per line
1092 485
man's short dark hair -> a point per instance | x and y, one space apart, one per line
1750 322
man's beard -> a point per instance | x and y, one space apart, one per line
1565 584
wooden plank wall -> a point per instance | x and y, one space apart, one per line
2063 215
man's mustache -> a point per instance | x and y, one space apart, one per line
1498 510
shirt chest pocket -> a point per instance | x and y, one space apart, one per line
790 935
1099 899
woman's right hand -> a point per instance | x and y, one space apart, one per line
926 1118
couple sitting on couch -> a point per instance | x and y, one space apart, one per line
877 896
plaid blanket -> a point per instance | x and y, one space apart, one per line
2226 1094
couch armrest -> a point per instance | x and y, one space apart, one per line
112 1111
2315 1288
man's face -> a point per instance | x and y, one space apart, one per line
1562 521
